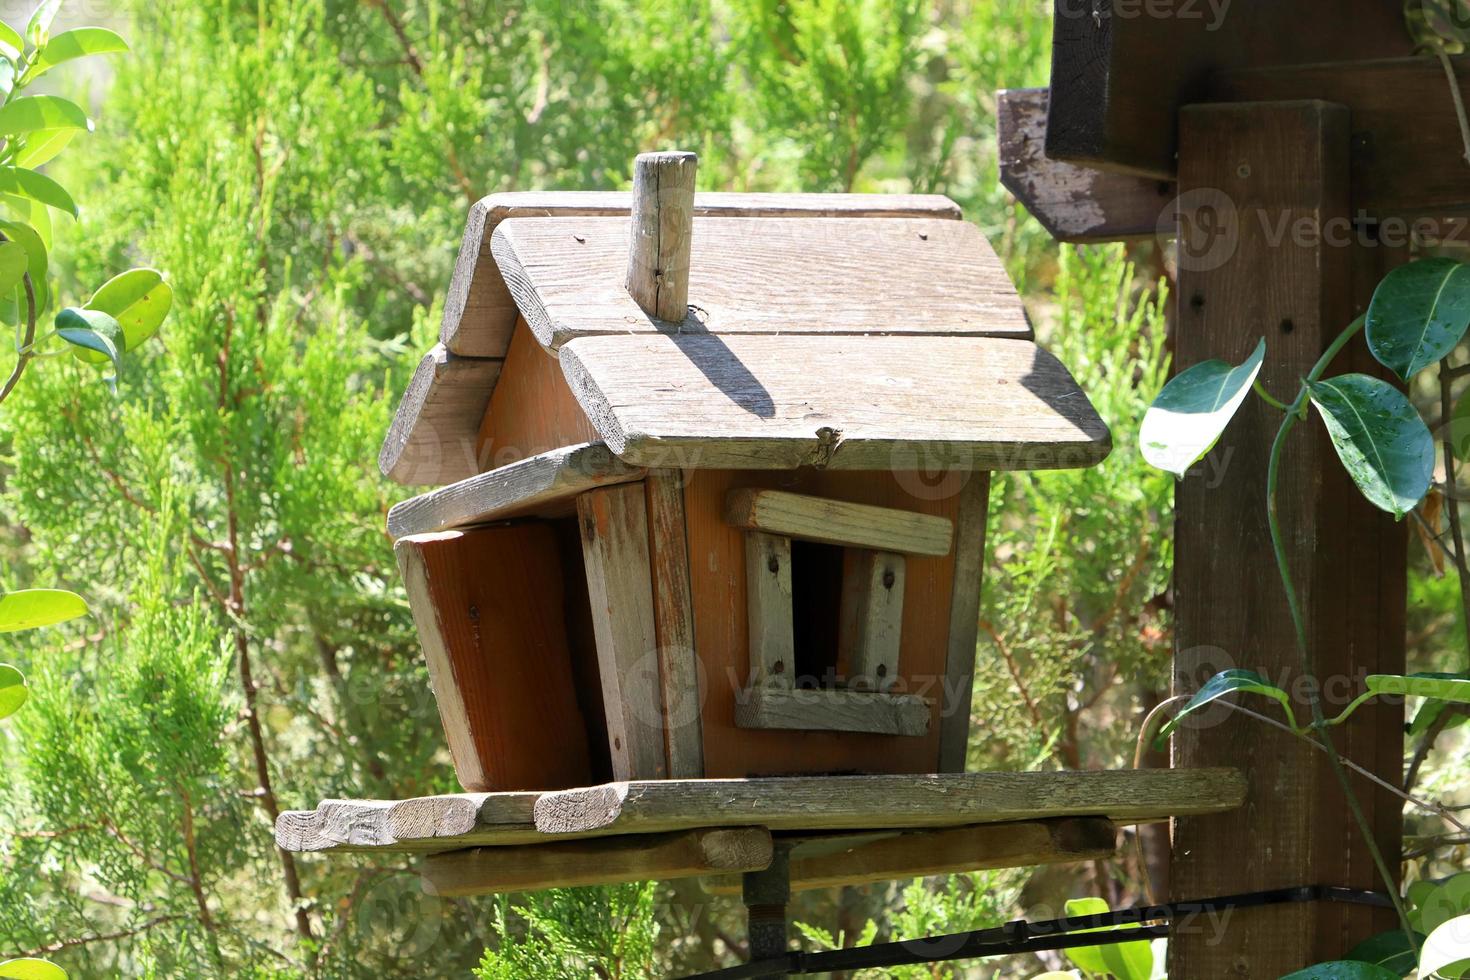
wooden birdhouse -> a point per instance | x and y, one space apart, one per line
714 481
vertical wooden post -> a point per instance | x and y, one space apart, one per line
663 231
614 524
1267 249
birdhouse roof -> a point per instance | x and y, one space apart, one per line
842 330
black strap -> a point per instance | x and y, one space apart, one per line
1144 922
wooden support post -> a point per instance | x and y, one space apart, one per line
673 610
768 607
1266 248
871 619
614 526
663 231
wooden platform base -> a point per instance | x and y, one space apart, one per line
841 829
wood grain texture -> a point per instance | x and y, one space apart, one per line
878 802
1121 71
839 522
662 233
611 861
488 606
532 411
862 403
767 276
432 438
614 527
1074 204
833 710
717 564
541 486
681 684
871 620
964 620
1405 161
1280 163
479 313
769 610
420 825
860 859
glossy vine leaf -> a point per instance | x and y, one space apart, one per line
93 330
29 968
1125 961
13 692
1441 687
1227 682
1418 314
1380 438
1446 952
1344 970
30 113
1191 412
28 609
78 43
1390 950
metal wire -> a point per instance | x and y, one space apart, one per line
1141 922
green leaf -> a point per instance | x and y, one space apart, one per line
1057 975
28 609
1189 415
37 187
11 43
25 236
1443 687
139 300
13 264
1390 950
1437 902
38 31
1225 683
1343 970
32 112
1381 440
42 146
13 693
31 969
1125 961
93 330
7 78
1447 950
77 43
1429 713
1418 314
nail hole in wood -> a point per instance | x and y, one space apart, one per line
1287 326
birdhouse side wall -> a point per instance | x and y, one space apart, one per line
532 410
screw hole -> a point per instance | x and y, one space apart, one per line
1197 301
773 564
1287 326
888 580
882 670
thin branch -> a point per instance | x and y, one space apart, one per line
105 937
1452 503
1449 71
26 352
1015 670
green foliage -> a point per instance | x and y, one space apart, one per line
572 933
1190 414
1123 961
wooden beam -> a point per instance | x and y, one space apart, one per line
420 825
681 685
541 486
490 613
870 620
863 859
610 861
785 276
479 313
868 802
1121 70
833 710
1283 165
769 610
432 439
1407 156
614 524
791 401
1074 204
838 522
964 622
